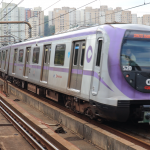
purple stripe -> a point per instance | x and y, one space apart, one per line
79 71
74 71
88 73
70 36
59 69
20 65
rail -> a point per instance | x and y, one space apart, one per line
32 136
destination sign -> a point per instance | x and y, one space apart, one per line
137 34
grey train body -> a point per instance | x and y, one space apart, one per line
76 67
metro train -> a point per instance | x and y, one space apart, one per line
101 71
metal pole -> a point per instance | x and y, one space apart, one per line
18 22
10 36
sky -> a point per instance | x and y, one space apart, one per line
78 3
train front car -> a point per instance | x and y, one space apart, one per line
125 74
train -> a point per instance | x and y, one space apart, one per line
101 71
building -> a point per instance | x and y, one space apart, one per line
146 19
65 18
126 17
27 14
16 14
134 19
38 17
61 21
34 21
140 20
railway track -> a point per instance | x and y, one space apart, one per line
30 134
94 122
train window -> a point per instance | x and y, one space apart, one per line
20 59
76 54
3 55
15 56
99 53
49 54
6 54
0 59
46 54
60 54
82 55
36 53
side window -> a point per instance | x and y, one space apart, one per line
60 54
6 54
49 54
20 59
76 54
3 55
99 53
0 58
82 55
36 52
15 55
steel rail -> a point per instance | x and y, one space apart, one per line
36 140
112 130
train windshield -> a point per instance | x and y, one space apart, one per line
135 55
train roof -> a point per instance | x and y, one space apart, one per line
92 30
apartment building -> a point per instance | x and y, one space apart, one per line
17 14
109 16
34 16
140 20
146 19
134 18
27 14
126 17
92 16
61 20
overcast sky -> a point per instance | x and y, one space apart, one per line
78 3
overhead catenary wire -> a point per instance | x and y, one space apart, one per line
45 9
110 13
95 17
64 14
92 18
5 7
38 14
12 9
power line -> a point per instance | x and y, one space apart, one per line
38 14
6 6
12 9
46 8
111 13
65 13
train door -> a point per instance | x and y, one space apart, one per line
77 65
46 62
27 62
96 77
15 60
6 55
